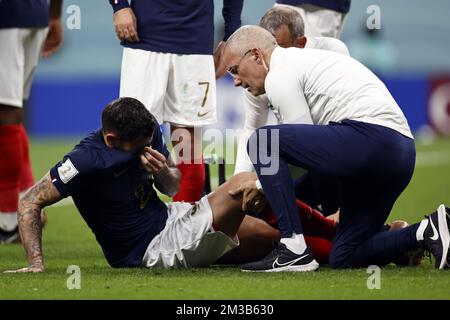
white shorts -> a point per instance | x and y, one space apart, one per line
175 88
320 22
188 240
19 54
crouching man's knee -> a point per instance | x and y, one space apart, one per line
340 258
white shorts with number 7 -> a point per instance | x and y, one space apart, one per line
175 88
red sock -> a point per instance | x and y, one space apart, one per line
313 223
321 248
11 159
26 177
192 182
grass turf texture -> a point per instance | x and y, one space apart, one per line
68 241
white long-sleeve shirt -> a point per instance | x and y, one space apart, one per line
257 108
330 87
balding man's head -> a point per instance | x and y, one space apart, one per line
286 25
246 56
249 37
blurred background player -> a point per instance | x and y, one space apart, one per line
28 28
168 65
323 18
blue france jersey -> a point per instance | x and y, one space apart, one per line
24 14
115 196
179 26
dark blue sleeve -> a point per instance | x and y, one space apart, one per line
158 142
232 16
119 4
67 174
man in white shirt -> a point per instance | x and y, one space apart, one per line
287 26
359 137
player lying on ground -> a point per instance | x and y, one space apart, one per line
110 175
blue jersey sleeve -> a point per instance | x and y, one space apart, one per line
158 142
232 16
119 4
67 174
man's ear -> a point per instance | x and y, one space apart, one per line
301 42
258 55
110 139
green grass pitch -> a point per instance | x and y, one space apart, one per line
68 241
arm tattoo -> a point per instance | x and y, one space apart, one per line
168 181
42 194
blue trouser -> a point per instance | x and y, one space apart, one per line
369 166
315 189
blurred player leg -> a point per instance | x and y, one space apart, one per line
192 166
10 169
26 177
190 104
144 76
19 55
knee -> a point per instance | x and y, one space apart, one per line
339 258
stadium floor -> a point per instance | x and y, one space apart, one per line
68 241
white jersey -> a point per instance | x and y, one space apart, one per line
257 108
330 87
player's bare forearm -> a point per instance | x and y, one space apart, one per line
168 180
42 194
55 9
54 39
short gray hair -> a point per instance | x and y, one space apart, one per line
248 37
283 15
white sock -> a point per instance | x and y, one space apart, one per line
8 221
420 231
296 243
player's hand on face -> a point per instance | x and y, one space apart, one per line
125 24
153 161
252 199
54 39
